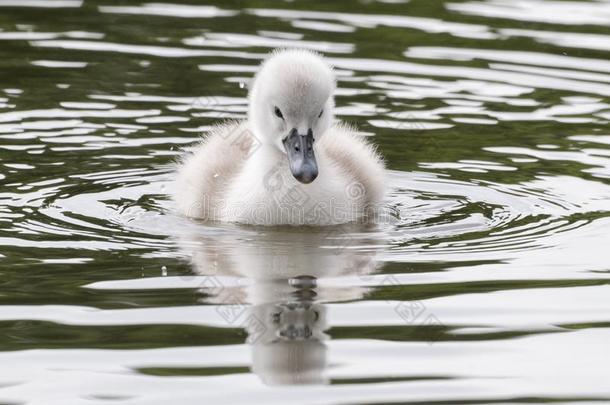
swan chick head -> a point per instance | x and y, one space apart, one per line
291 106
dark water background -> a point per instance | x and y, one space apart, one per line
490 285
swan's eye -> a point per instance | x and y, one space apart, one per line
278 113
321 112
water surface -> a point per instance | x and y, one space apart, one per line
487 283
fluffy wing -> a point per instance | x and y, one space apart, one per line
203 175
358 159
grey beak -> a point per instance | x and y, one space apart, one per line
301 158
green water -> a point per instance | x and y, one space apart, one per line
488 285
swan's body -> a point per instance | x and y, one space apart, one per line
288 163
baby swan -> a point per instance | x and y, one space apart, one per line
289 163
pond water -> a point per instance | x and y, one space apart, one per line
488 283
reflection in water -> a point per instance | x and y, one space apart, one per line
282 306
287 339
